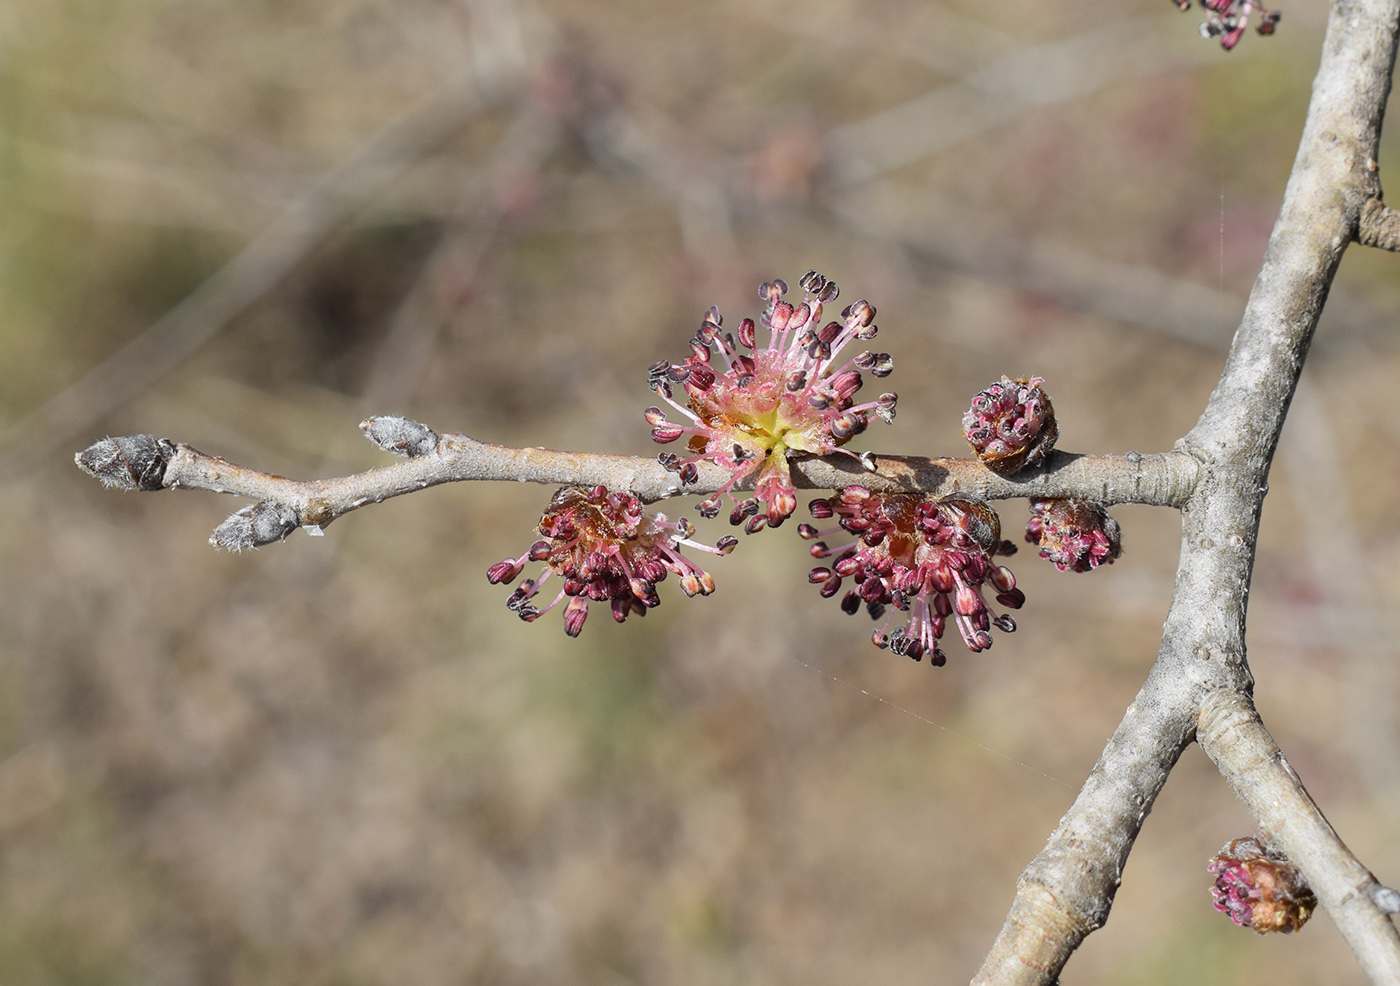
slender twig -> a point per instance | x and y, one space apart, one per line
144 462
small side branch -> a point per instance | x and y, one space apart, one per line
1379 227
145 462
1232 734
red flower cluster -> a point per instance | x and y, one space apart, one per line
794 394
1076 535
930 558
607 548
1227 19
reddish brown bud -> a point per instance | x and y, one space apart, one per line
1076 535
1260 888
1011 425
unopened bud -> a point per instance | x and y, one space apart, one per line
1076 535
1011 425
131 462
1260 887
254 526
401 436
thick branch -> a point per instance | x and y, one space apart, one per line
144 462
1201 662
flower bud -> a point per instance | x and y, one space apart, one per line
1260 887
1076 535
1011 425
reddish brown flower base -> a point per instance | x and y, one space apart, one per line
923 556
607 548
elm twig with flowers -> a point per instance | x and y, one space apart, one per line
776 418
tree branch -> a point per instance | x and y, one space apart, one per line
145 462
1068 889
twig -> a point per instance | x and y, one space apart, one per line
1380 226
144 462
1233 736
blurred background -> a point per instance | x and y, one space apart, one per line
342 761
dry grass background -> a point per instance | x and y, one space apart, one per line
341 761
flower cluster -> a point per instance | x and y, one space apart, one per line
1011 425
1260 888
1227 19
1077 535
606 547
793 394
928 557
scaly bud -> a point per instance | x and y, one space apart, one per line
131 462
254 526
1011 425
401 436
1260 887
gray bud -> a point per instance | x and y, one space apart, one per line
255 525
132 462
401 436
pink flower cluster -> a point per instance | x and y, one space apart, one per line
1227 19
930 558
1260 888
1076 535
794 394
1011 425
606 547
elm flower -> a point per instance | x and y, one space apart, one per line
1077 535
1011 425
606 547
795 394
1227 19
921 555
1260 888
